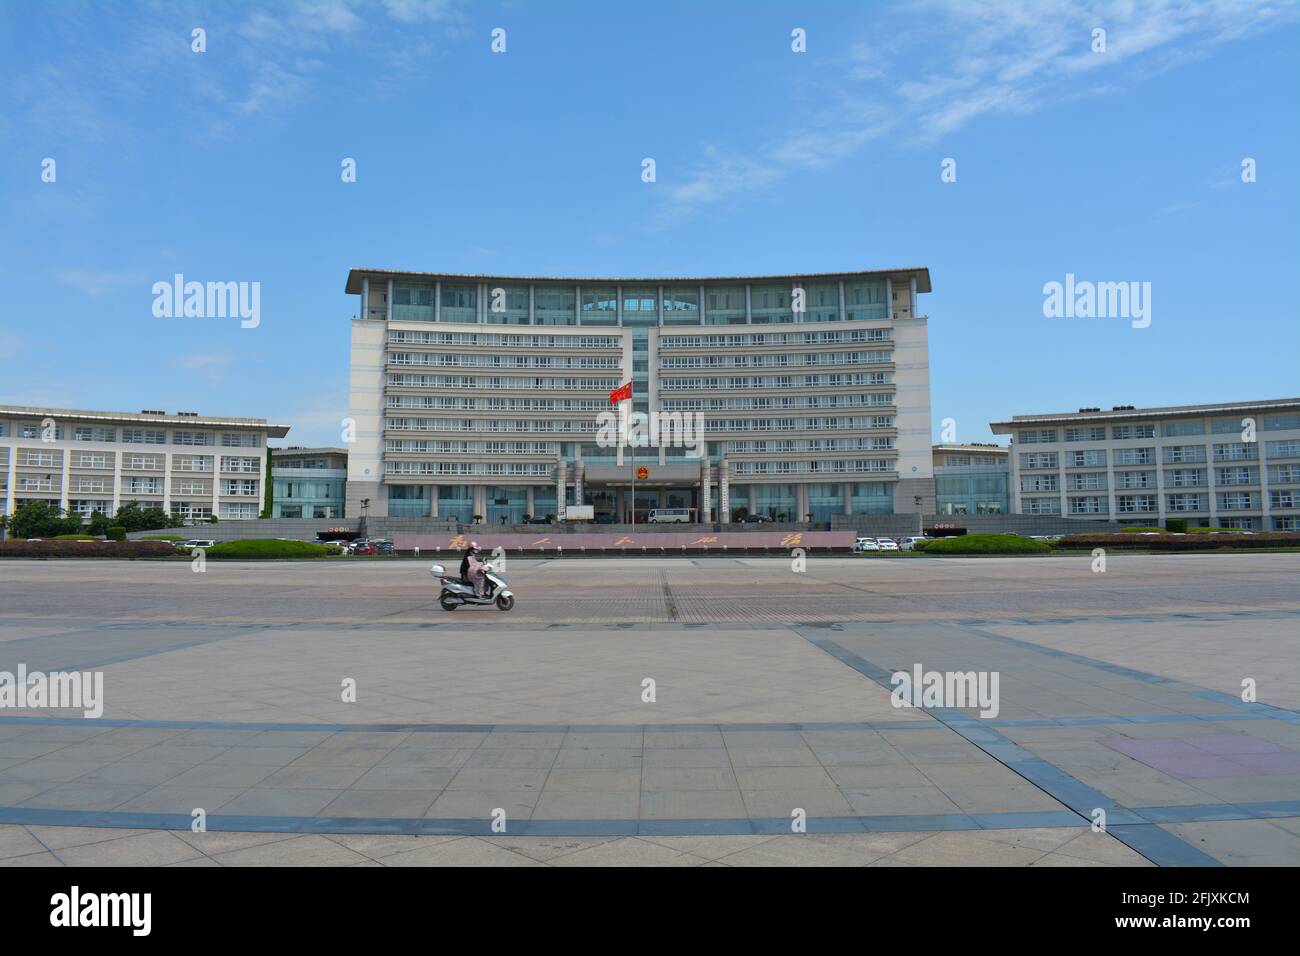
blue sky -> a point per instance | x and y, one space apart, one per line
225 166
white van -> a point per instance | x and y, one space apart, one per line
670 516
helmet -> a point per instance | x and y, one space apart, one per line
473 546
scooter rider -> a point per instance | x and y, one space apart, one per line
471 569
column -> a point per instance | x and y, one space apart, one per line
167 481
706 479
433 500
846 497
1265 503
365 298
889 298
724 491
579 474
749 318
388 305
911 282
560 467
532 305
63 480
216 483
800 501
13 477
437 301
529 502
842 313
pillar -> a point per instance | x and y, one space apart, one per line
706 479
560 468
800 501
724 491
579 474
529 502
846 489
433 501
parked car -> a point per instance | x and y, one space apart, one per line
539 519
754 519
605 517
887 544
385 547
907 544
865 544
194 543
361 547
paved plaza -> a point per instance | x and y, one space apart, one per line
228 691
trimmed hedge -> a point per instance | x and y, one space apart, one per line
986 544
54 548
1188 542
263 548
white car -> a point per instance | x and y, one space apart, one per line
907 544
865 544
195 543
887 544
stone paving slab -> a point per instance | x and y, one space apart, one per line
752 723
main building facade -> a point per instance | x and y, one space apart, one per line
483 395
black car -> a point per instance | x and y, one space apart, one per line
754 519
385 547
539 519
606 517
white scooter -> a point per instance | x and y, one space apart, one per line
456 592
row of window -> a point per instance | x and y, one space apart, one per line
561 305
777 446
505 361
472 447
1170 429
1171 455
770 339
34 457
741 468
826 380
490 382
1283 499
777 359
867 399
135 436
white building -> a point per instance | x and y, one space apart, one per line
186 464
1234 465
482 395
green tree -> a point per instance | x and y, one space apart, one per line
40 519
268 491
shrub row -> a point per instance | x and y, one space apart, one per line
85 549
985 544
1189 542
260 548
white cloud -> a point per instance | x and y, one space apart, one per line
97 283
940 65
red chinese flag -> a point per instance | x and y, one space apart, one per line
621 394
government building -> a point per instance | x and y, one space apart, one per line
483 395
1234 465
189 465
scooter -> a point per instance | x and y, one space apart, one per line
456 592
